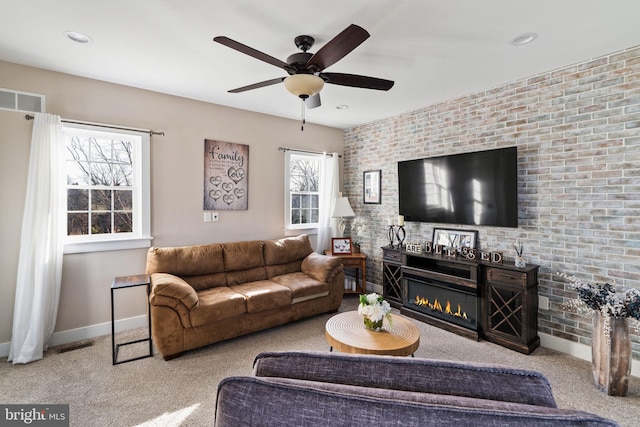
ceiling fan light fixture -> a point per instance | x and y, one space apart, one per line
303 85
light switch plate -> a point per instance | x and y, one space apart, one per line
207 216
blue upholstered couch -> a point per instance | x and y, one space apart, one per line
336 389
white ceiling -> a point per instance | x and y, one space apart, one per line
434 50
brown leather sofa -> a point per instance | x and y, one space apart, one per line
209 293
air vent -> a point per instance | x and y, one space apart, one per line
21 101
76 346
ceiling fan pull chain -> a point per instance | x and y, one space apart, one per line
303 118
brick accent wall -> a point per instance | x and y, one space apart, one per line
577 130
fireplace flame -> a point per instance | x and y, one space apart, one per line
437 306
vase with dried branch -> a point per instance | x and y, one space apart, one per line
612 312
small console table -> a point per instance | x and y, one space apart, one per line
357 261
123 283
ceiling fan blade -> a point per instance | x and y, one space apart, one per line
252 52
338 47
258 85
355 80
313 102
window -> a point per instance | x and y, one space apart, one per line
302 180
107 189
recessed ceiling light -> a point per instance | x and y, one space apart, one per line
78 37
523 39
342 107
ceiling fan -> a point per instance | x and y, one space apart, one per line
306 70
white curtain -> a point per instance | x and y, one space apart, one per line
41 243
329 187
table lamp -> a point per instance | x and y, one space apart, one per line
342 209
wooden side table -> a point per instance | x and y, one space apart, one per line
123 283
346 333
357 261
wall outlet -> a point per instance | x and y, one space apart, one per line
543 303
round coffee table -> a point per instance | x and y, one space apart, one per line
346 333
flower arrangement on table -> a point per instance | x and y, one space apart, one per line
603 299
358 227
374 308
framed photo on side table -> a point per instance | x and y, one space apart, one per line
341 246
371 192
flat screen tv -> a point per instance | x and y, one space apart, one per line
479 188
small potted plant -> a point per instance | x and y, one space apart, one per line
358 227
373 308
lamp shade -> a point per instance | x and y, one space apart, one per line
303 85
342 208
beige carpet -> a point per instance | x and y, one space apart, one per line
152 392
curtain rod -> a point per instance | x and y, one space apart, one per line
76 122
307 151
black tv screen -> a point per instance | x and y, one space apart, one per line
479 188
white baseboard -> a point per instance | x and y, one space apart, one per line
93 331
581 351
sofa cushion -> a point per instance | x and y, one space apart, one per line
206 281
216 304
244 401
285 250
263 295
302 286
285 255
244 262
244 276
243 255
410 396
467 379
186 260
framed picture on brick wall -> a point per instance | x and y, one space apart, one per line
371 191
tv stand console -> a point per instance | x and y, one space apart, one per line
506 296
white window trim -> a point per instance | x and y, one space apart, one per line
142 204
297 228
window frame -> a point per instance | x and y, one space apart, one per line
309 228
140 237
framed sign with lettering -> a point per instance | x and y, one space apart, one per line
413 247
226 176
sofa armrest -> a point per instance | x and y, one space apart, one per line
167 286
321 267
465 379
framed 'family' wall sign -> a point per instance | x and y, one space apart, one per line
226 176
